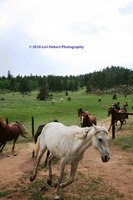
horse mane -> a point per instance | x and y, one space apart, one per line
83 134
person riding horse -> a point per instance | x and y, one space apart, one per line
117 106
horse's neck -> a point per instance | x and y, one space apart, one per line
90 132
86 141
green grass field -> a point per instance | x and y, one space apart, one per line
17 107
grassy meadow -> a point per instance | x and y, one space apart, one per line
22 108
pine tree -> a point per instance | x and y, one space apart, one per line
44 91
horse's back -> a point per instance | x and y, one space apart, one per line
52 131
51 137
56 130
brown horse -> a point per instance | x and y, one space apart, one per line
118 117
86 118
10 132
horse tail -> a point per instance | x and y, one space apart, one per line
37 146
38 132
23 131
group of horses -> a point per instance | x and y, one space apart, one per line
87 119
12 131
67 143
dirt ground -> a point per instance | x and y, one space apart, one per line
118 172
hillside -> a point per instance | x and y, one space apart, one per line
110 78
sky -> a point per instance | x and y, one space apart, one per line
65 37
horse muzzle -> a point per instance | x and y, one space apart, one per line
106 158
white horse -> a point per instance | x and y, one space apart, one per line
69 144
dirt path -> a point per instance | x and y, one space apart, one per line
118 172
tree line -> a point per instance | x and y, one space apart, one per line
105 79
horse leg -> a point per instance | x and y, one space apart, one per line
121 121
49 179
62 167
74 167
2 146
14 142
48 153
39 156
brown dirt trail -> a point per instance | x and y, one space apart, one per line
118 172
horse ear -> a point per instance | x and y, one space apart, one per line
103 126
94 126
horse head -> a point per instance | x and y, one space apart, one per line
87 119
100 142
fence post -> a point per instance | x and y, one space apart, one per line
113 124
7 121
32 126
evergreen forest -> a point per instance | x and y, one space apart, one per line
110 79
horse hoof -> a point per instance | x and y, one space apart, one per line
49 182
32 178
58 198
14 154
